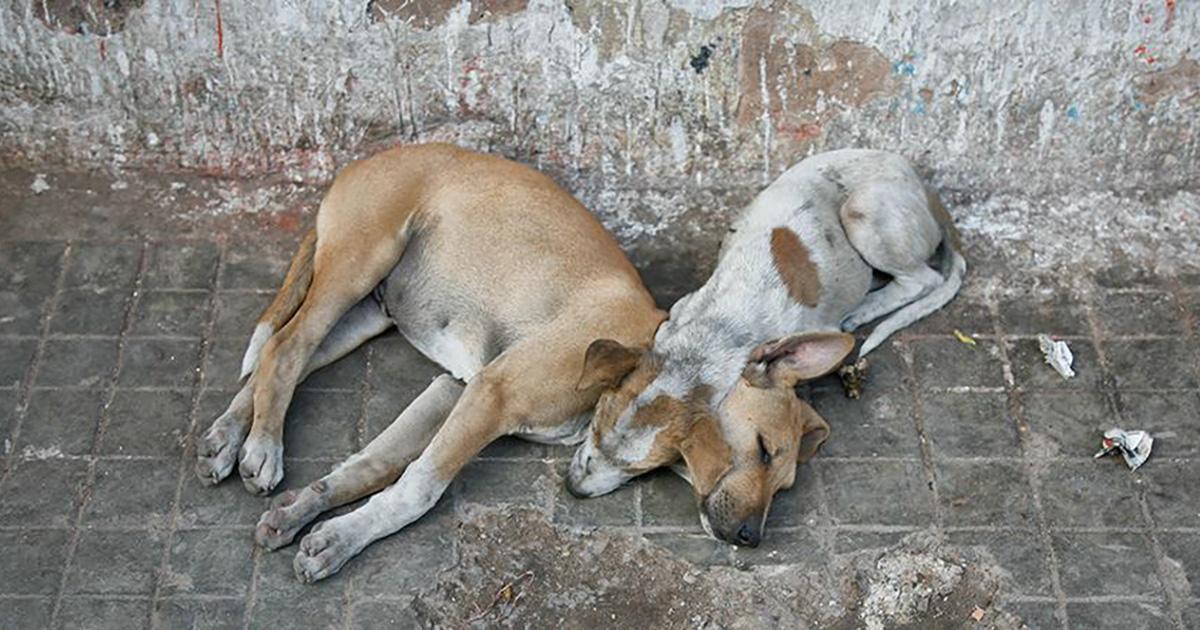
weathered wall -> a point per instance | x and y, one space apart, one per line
664 115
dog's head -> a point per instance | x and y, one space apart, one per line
738 451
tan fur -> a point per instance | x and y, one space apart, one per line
795 266
555 280
295 284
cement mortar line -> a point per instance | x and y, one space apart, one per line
826 539
198 384
1016 415
85 495
360 427
25 388
1107 385
926 448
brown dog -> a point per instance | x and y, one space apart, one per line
488 268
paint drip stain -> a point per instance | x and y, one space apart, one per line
1170 21
220 31
1073 113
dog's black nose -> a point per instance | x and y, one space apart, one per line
748 535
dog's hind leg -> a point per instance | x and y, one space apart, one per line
896 229
365 472
217 451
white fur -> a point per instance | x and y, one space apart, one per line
262 333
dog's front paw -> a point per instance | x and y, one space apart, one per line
325 550
217 451
289 512
261 467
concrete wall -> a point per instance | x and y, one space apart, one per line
663 115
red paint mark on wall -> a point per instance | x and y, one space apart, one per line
1143 53
220 31
1170 21
103 50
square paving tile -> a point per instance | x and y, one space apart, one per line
210 562
1105 564
966 313
798 506
26 612
238 312
32 561
201 614
869 493
490 482
1147 615
132 494
103 264
695 548
90 311
615 508
226 505
1090 494
181 265
322 424
1182 551
383 614
87 613
1172 492
880 424
115 563
28 272
1039 312
1153 313
1030 370
147 422
667 500
799 547
1020 554
42 493
78 362
1067 423
160 363
985 493
62 421
1173 419
971 424
257 265
347 372
1036 615
171 313
1152 363
403 563
18 354
946 362
300 613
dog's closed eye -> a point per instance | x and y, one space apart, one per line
764 453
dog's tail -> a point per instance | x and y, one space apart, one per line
953 268
287 301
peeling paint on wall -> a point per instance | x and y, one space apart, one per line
620 101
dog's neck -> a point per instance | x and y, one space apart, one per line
708 338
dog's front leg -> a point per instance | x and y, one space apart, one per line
365 472
475 421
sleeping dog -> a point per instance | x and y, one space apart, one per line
714 398
489 269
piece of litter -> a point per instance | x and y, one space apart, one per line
978 614
1058 355
39 184
854 375
963 337
1134 446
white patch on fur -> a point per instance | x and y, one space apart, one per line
262 333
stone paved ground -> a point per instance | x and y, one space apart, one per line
114 354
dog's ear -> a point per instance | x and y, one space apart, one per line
606 363
813 433
706 455
797 358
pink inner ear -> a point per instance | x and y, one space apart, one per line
809 355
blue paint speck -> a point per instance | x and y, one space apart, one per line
1073 113
904 67
919 108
